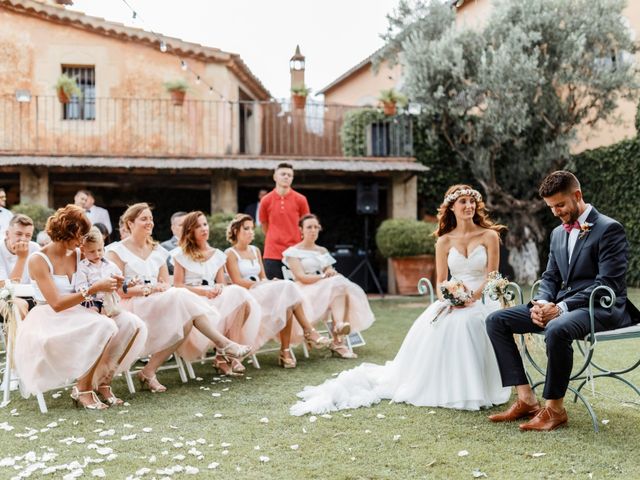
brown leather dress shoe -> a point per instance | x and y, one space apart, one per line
546 420
516 411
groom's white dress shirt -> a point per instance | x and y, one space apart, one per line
573 235
100 215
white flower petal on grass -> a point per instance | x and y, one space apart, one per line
353 459
201 441
225 389
143 471
257 447
107 433
225 452
215 394
346 415
217 415
380 415
52 425
166 439
264 458
191 470
178 445
127 425
463 453
327 416
264 420
128 437
179 457
173 426
477 474
367 431
104 450
100 421
199 379
538 454
199 415
304 430
605 421
153 459
431 412
6 427
294 447
56 395
396 438
147 429
213 465
98 472
313 418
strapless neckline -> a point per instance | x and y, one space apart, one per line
475 249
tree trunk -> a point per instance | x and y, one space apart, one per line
525 259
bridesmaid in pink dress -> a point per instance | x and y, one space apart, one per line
327 290
279 300
199 268
59 340
170 313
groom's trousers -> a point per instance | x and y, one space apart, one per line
559 335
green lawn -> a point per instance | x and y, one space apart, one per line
180 429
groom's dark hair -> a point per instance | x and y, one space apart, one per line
559 181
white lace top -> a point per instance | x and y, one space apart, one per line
312 261
146 269
62 283
196 272
249 268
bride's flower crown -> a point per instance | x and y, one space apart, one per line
466 192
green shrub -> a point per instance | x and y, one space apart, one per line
610 180
405 238
38 213
353 131
218 223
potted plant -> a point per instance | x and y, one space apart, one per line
178 90
67 87
410 245
299 96
390 100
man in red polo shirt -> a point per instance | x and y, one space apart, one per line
280 211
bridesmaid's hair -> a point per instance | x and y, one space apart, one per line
67 223
235 226
307 217
188 241
134 212
447 220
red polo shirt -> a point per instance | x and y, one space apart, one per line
281 214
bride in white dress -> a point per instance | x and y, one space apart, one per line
445 360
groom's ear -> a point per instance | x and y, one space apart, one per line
578 195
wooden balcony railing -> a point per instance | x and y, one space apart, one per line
156 127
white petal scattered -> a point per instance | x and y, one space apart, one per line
264 420
294 447
191 470
346 415
179 457
100 421
538 454
111 456
257 447
153 459
431 412
52 425
225 452
605 421
313 418
104 450
327 416
225 445
201 441
178 445
367 431
6 427
107 433
380 415
147 429
199 379
199 415
98 472
56 395
215 394
217 415
478 474
264 458
396 438
463 453
128 437
213 465
304 430
353 459
127 425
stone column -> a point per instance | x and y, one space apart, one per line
34 186
224 192
402 202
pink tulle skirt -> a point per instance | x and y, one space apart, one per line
275 298
228 304
322 295
53 349
167 313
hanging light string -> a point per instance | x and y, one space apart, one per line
164 48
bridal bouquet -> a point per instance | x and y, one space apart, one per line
455 292
496 288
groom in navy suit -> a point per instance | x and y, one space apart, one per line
587 250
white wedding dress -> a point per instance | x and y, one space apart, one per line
447 363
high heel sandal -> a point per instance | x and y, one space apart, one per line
286 362
343 329
151 383
342 351
237 366
234 350
315 341
96 405
111 399
223 367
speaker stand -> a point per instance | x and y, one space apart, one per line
366 264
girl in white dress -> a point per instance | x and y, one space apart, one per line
446 359
280 300
169 313
200 268
325 289
60 340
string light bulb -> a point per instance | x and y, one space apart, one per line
197 79
210 90
183 65
163 46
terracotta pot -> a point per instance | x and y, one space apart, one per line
299 101
62 96
389 108
177 97
409 270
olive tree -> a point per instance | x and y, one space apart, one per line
509 96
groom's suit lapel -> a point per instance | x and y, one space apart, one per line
563 255
593 216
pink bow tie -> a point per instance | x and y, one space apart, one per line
570 226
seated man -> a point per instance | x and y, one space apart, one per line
15 248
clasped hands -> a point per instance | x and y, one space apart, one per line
543 313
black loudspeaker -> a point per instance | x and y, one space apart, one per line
367 198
